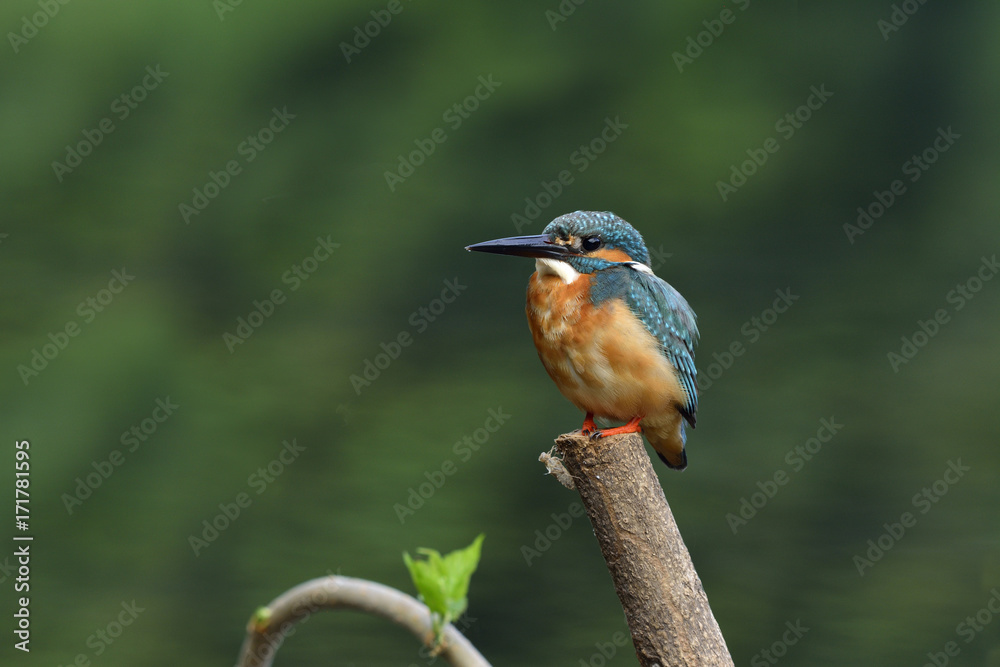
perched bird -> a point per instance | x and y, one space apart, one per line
617 340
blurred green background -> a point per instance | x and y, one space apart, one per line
222 76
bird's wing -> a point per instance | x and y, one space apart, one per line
668 317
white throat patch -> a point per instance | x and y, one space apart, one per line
636 266
555 267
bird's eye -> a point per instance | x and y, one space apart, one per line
591 243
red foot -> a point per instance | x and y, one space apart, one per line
589 426
631 427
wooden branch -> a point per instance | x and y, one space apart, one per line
270 625
665 604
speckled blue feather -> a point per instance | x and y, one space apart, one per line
615 232
665 314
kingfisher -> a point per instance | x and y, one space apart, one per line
617 340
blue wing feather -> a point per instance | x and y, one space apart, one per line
666 315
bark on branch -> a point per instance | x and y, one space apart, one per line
667 610
269 626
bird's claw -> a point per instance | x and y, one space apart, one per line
631 427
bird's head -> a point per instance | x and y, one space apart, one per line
586 241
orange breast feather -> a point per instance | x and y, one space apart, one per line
602 358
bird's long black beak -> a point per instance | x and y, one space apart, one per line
525 246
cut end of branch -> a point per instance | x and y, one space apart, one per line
590 450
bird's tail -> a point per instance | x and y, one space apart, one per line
668 440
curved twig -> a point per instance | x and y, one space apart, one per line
270 625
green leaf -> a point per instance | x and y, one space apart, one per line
443 583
